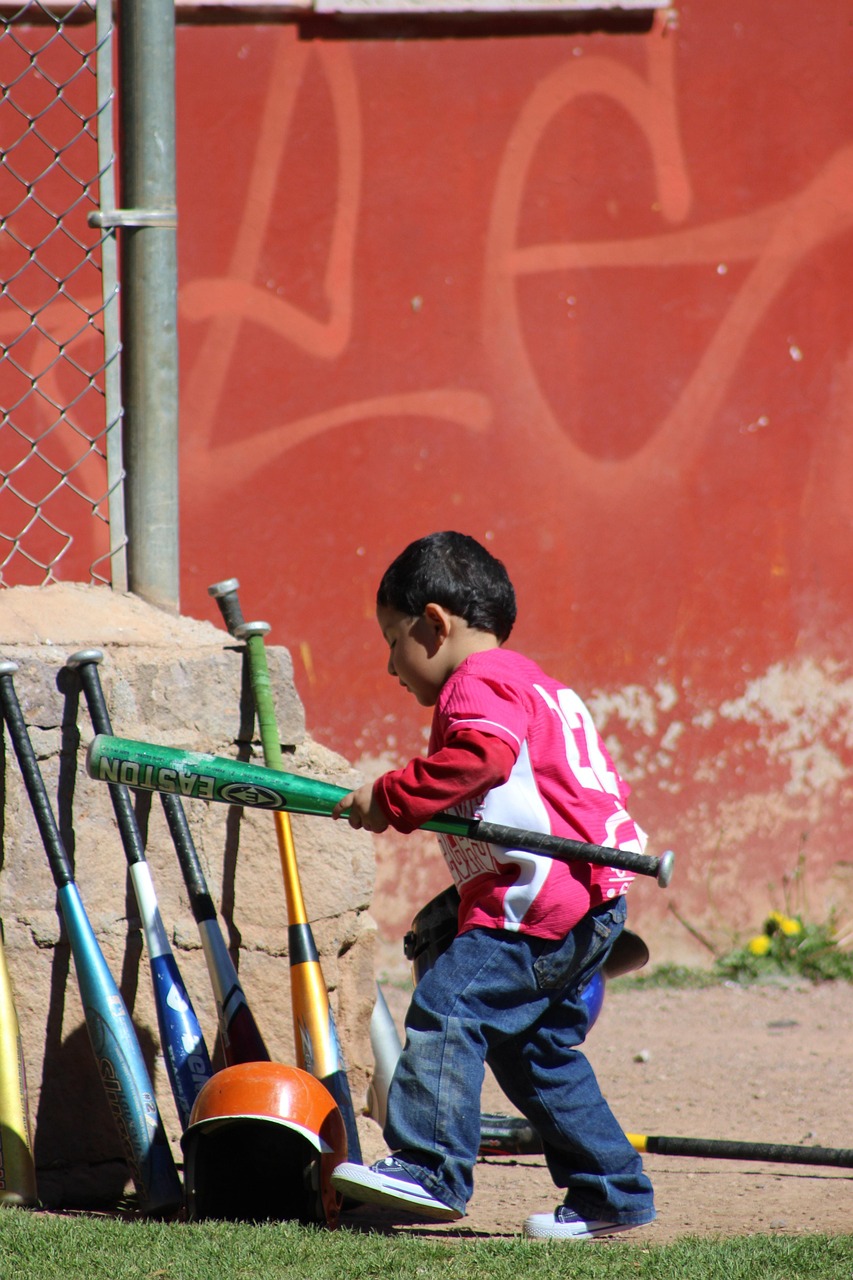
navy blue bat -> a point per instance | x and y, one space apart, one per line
238 1031
123 1071
181 1040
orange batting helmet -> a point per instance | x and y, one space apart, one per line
261 1144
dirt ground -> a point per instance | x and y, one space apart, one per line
761 1064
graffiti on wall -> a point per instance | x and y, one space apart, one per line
436 284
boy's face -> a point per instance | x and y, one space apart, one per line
418 654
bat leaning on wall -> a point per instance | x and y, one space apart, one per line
125 1077
17 1166
181 1040
318 1049
238 1030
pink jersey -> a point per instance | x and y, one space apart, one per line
563 782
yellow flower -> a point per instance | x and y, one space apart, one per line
785 924
759 946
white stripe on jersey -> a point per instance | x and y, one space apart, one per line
517 803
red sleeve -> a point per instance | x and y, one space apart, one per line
469 765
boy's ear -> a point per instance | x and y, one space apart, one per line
439 619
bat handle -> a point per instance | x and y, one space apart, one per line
225 595
31 774
253 634
179 829
86 662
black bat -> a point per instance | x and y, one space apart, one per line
513 1135
181 1040
125 1076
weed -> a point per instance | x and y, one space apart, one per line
791 944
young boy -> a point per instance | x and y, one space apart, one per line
509 745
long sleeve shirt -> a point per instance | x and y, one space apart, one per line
511 745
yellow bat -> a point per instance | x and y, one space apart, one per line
17 1167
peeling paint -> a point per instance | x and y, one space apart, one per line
796 717
635 705
669 741
804 717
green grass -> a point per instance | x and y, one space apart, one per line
37 1246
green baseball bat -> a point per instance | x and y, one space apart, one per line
318 1048
197 775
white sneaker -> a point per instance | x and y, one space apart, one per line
388 1183
565 1224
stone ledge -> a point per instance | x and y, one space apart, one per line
73 614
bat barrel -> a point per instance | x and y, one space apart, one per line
513 1135
128 1088
18 1185
197 775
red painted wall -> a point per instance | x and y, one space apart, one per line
586 296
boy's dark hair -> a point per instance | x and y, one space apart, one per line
455 571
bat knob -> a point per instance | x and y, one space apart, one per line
666 866
223 588
8 667
247 629
83 656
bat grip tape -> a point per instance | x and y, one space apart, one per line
262 689
201 901
122 802
34 783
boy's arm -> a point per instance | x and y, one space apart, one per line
469 765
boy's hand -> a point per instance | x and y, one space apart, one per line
364 811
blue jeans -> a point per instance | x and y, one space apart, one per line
513 1001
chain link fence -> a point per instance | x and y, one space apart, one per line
61 476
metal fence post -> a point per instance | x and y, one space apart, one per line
146 30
